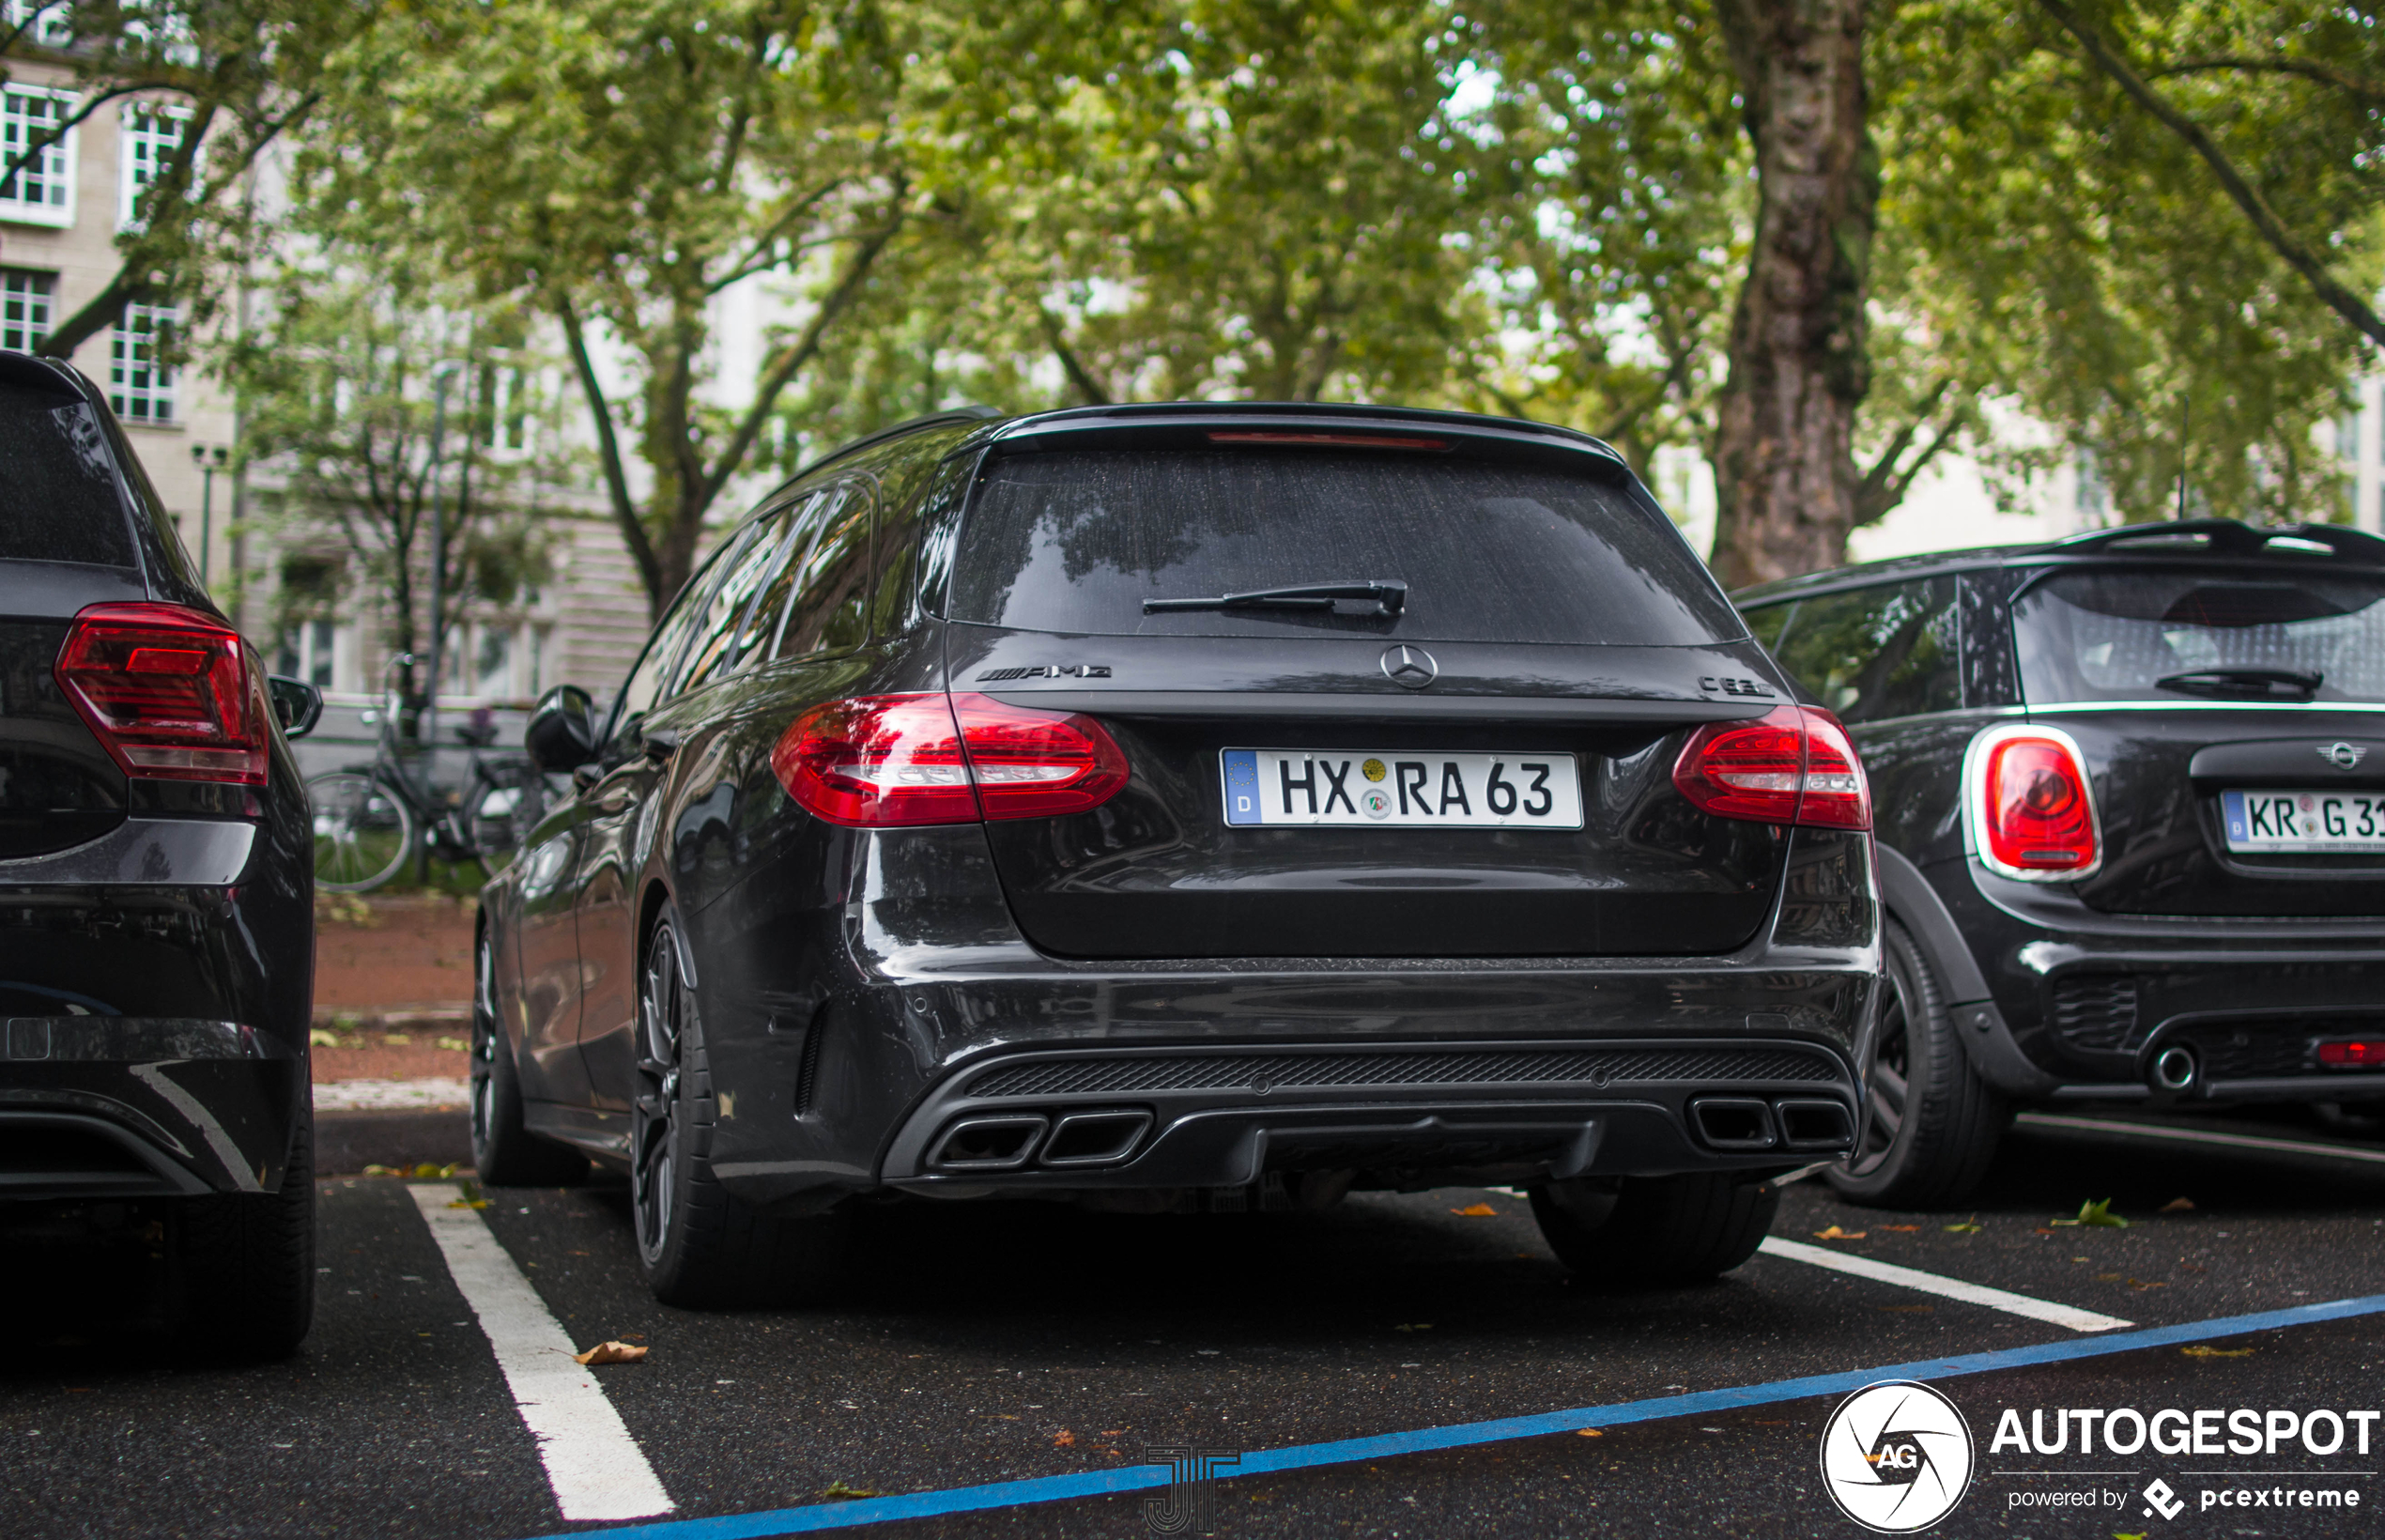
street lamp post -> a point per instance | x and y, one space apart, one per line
210 458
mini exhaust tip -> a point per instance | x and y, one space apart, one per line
1094 1138
1815 1125
2174 1068
1730 1122
988 1144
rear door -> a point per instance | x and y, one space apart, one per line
2233 719
1484 772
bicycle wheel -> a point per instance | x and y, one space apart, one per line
362 832
506 802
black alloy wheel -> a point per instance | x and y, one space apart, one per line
656 1127
505 1152
1930 1123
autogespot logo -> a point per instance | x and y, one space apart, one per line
1895 1456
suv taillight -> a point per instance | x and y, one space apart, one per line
885 761
169 690
1794 764
2032 804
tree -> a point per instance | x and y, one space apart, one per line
378 395
619 165
239 73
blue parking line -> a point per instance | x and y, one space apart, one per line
1012 1494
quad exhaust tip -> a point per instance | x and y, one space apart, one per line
2174 1069
1744 1123
1010 1142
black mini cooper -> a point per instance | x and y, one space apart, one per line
1184 807
2132 825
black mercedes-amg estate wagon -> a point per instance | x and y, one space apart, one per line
1187 806
2132 825
157 916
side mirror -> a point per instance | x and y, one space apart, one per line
297 704
561 734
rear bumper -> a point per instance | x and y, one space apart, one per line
118 1108
1213 1117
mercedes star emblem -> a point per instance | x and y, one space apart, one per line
1411 668
2342 755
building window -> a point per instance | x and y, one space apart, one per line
24 308
43 189
508 393
2348 437
48 23
152 132
140 385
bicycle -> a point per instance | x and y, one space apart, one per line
369 819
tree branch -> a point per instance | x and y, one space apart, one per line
799 353
1885 485
1078 376
641 550
2327 75
2272 229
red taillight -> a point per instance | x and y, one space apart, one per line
1792 765
2036 816
883 761
2352 1056
169 690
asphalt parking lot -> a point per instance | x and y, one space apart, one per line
1043 1345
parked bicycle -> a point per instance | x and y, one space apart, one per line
371 819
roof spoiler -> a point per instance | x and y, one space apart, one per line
2231 538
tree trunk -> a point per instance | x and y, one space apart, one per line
1785 476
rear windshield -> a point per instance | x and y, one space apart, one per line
2116 636
1076 542
59 499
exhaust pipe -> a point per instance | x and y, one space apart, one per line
1815 1125
988 1144
2174 1068
1730 1122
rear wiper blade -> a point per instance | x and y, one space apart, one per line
2244 683
1388 593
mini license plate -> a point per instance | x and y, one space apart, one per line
2303 821
1402 789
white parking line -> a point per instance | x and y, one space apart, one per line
2196 1136
1946 1288
597 1470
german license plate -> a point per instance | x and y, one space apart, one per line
2303 821
1402 789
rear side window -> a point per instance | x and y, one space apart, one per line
63 504
2117 635
1876 652
828 610
1075 542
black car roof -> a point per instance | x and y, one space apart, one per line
2216 539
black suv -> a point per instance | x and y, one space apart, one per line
156 923
1180 806
2131 791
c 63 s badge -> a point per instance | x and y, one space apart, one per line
1895 1456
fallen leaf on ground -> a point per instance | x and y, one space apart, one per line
469 1203
1834 1233
1111 1432
1969 1227
2177 1206
322 1038
2098 1214
2109 1277
2134 1284
2204 1350
1901 1230
2042 1230
611 1352
455 1045
427 1170
1063 1439
839 1489
1476 1210
1592 1432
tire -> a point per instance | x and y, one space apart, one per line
246 1263
362 831
1931 1124
1649 1232
505 1152
698 1245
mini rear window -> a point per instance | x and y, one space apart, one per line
57 483
1075 542
2117 635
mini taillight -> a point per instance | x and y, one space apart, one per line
1794 764
2353 1056
169 690
886 760
2034 810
